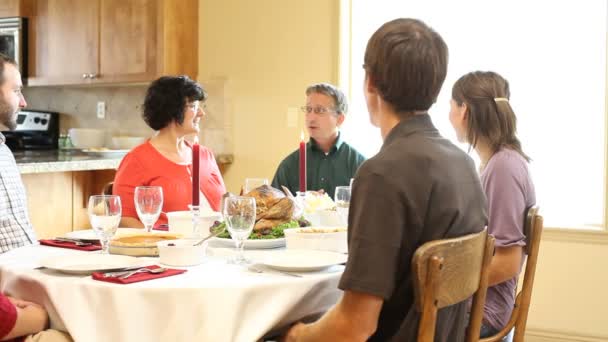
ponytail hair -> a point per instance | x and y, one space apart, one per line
489 112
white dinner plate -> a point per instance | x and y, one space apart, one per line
90 235
303 260
89 263
251 244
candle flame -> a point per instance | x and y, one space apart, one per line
302 135
196 139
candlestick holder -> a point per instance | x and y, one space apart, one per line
300 201
196 220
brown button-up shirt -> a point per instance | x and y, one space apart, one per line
418 188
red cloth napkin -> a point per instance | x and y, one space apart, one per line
143 276
71 245
162 227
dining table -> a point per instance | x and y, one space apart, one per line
213 301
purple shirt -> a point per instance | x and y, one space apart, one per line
509 191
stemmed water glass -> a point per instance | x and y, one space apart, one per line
342 199
252 183
104 213
148 203
239 214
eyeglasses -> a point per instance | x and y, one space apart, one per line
196 106
317 110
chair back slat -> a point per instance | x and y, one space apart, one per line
461 267
450 271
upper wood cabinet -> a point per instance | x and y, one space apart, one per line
112 41
15 8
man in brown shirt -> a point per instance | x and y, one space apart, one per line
418 188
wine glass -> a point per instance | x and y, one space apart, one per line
252 183
104 213
148 203
239 213
342 197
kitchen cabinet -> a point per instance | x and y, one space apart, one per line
111 41
62 206
15 8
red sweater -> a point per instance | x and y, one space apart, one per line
144 165
8 316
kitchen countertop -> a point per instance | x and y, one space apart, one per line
76 160
54 161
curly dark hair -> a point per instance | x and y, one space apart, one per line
166 100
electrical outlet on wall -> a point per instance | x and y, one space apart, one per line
292 117
101 110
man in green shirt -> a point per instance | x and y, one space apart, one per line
330 161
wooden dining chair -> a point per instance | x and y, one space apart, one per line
533 228
107 189
447 272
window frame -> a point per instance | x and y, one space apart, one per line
578 234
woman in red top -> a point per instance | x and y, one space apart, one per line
174 107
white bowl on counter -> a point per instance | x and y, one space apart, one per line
126 143
181 252
87 137
332 239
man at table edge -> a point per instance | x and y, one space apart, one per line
18 318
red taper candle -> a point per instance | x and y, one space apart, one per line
302 163
196 172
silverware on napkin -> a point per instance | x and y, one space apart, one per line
121 271
142 270
74 241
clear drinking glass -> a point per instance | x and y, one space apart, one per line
342 199
239 214
104 214
252 183
148 203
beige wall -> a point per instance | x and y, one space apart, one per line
570 301
267 52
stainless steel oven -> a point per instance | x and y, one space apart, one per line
13 41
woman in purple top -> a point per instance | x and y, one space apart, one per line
481 114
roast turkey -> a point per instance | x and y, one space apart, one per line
272 207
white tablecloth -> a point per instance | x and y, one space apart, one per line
214 301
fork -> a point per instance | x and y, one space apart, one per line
259 269
76 242
140 270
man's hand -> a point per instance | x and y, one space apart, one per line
354 318
293 333
31 319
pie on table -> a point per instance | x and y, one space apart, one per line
139 244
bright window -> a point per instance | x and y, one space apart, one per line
553 53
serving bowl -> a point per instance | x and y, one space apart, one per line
332 239
182 252
180 222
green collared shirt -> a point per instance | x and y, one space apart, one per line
323 171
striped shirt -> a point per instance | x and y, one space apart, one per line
15 227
